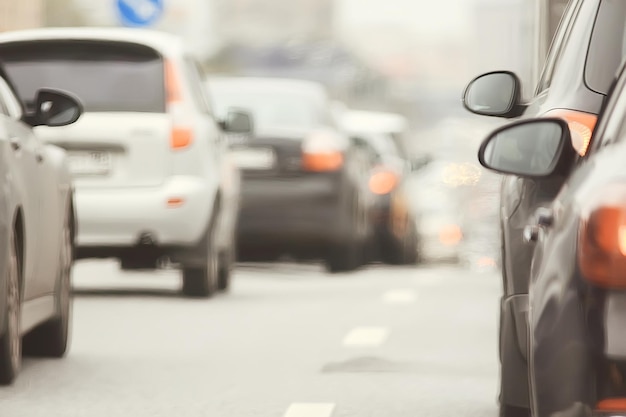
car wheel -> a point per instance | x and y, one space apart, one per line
225 270
512 411
10 341
50 339
344 258
402 252
203 281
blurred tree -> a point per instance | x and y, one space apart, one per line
63 13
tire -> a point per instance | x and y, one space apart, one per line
512 411
344 258
10 340
225 270
202 282
51 338
403 252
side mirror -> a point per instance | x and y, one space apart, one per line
238 121
54 108
420 162
495 94
533 148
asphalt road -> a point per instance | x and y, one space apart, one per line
287 341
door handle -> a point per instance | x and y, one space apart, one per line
15 143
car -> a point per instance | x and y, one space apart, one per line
586 52
304 187
37 229
437 207
395 238
577 302
147 156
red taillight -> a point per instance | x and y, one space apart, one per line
320 153
581 127
383 181
611 405
182 134
602 238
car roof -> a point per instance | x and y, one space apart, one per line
363 121
162 42
261 84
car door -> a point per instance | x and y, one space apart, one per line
26 161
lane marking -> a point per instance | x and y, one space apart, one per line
310 410
366 336
404 296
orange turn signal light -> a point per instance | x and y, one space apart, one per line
581 127
383 182
174 202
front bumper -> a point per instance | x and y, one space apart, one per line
118 217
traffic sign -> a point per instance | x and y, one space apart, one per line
139 13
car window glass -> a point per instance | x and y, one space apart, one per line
612 124
197 87
105 76
10 105
608 45
559 40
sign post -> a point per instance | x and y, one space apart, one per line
139 13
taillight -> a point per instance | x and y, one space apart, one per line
602 238
182 134
383 181
581 127
321 152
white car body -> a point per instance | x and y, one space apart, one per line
134 185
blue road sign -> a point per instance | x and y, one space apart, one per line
139 13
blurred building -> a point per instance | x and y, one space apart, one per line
270 22
21 14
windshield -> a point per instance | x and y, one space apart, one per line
270 110
132 76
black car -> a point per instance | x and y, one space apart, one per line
304 186
587 49
577 297
395 237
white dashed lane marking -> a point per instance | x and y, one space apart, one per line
310 410
366 336
399 297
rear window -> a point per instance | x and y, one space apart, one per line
608 45
105 76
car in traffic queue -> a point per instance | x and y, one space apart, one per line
37 229
146 157
577 302
395 238
586 52
304 190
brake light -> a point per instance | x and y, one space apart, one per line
321 153
611 405
581 127
602 238
182 134
383 181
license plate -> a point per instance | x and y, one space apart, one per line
254 158
90 163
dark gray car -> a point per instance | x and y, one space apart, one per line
577 302
586 52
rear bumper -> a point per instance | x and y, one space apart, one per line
116 218
301 210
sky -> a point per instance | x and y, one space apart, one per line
431 18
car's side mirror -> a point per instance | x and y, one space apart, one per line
238 121
54 108
420 162
495 94
532 148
